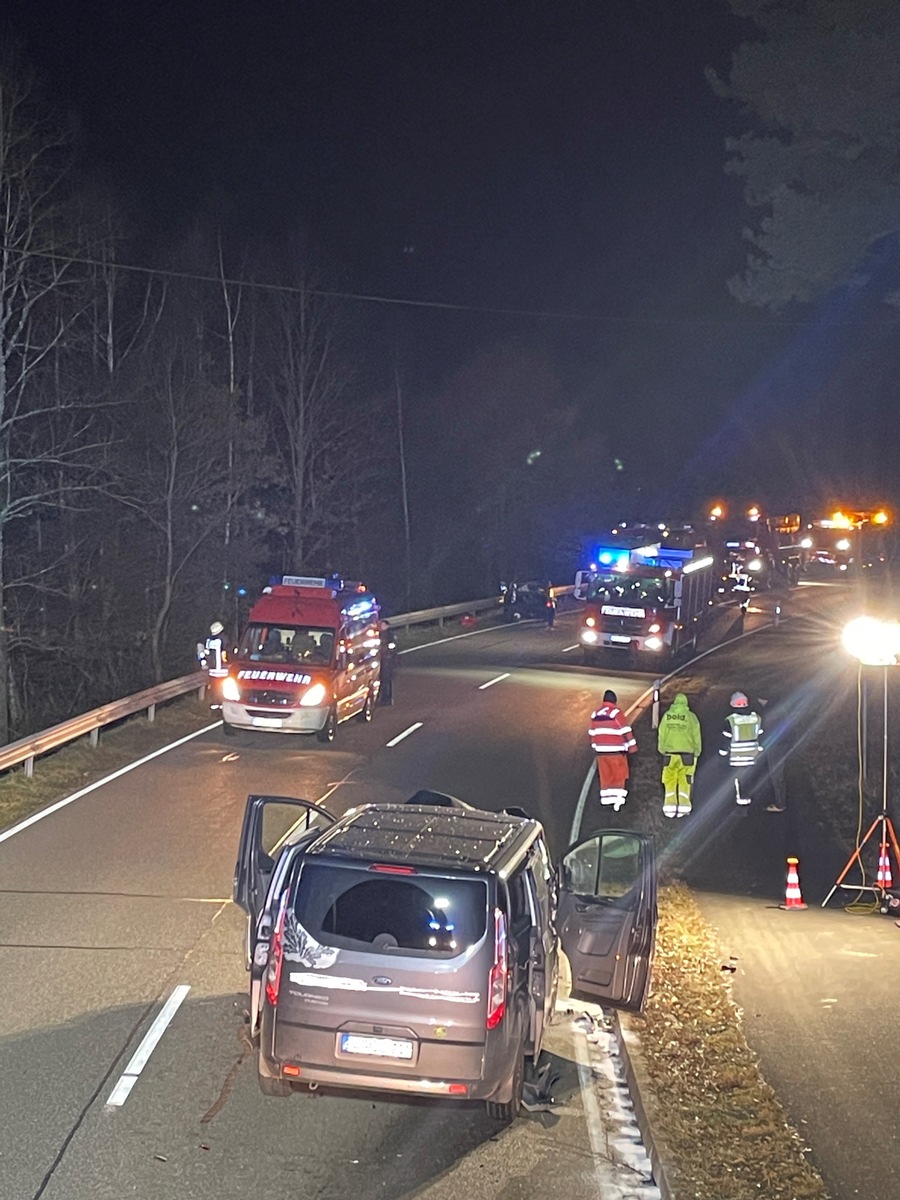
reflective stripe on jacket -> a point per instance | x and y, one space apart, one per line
742 733
610 733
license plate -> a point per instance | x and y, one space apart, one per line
380 1047
618 637
267 722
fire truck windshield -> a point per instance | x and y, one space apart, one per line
643 592
310 644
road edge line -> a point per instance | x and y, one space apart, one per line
148 1044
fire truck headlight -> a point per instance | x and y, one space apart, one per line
843 544
653 629
653 643
314 696
590 622
589 636
231 689
806 544
755 564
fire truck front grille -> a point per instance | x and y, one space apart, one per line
266 699
633 625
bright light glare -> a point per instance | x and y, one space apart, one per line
313 696
589 636
755 564
653 643
880 518
231 689
806 543
843 544
875 643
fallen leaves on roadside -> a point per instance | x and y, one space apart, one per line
727 1137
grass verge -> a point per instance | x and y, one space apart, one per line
77 764
724 1133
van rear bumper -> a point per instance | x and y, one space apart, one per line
476 1089
436 1067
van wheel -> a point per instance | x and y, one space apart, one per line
507 1111
274 1087
227 730
365 713
329 729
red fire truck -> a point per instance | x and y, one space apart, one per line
308 659
645 599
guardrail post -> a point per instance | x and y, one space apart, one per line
29 767
657 684
151 713
95 738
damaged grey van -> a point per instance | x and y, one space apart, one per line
413 948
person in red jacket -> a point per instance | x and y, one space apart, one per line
612 740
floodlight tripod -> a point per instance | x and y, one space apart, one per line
882 823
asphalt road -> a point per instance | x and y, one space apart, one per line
817 987
113 902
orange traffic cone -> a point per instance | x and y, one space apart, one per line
885 879
792 895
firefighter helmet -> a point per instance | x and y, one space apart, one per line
739 700
216 628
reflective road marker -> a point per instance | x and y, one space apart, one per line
141 1056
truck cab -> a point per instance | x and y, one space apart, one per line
646 599
308 659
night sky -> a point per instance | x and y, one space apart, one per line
561 157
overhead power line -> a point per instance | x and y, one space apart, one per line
440 305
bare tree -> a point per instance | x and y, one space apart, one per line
320 430
39 302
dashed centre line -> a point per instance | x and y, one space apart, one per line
141 1056
404 734
491 682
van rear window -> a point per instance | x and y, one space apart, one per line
354 908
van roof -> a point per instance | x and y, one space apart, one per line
423 835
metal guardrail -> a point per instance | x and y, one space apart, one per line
26 750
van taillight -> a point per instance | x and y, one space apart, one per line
498 979
276 954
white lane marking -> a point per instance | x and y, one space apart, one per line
92 787
329 791
141 1056
491 682
405 733
472 633
566 649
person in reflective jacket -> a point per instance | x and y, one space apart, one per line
743 729
387 653
679 741
613 741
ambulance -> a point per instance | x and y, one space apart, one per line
309 659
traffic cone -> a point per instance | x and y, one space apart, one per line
885 879
792 895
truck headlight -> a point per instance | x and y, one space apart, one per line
653 643
589 636
653 628
314 696
231 689
755 564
